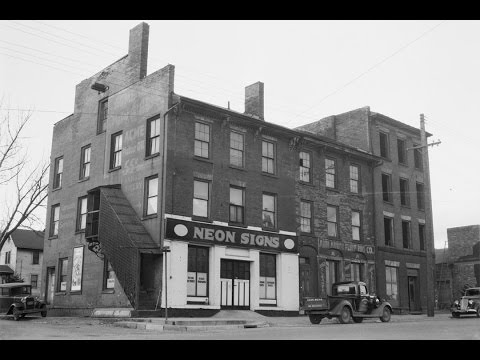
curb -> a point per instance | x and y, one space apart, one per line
145 325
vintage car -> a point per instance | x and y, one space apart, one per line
16 299
349 300
469 304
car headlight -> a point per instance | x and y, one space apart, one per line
470 302
456 303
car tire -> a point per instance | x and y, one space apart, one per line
455 314
358 320
315 319
345 315
44 312
16 314
478 311
386 315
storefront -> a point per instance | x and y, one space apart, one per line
216 266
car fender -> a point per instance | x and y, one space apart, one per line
13 306
380 308
338 308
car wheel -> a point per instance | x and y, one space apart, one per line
345 315
44 312
315 319
357 319
478 311
16 314
455 314
386 315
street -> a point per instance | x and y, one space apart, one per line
440 327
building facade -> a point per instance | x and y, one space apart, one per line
22 253
399 186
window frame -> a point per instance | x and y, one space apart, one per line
152 139
328 171
102 115
207 200
114 152
58 175
386 144
359 227
266 271
421 236
306 218
83 163
194 268
202 141
147 196
274 220
301 165
61 268
402 149
387 191
8 255
418 157
36 257
236 206
357 180
391 231
337 235
389 284
241 151
34 282
269 160
420 195
407 236
78 222
52 227
405 192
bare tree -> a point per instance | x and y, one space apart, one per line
25 186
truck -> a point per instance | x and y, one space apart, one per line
349 300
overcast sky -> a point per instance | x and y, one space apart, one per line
311 69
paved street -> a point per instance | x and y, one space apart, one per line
402 327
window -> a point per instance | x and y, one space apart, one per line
236 149
304 166
57 177
268 157
406 234
421 235
356 225
391 285
418 157
356 271
35 257
108 276
200 198
404 193
54 220
383 145
237 205
85 162
330 168
153 136
102 116
202 140
151 195
331 273
62 274
81 213
388 230
34 281
332 221
387 187
197 276
7 257
402 152
305 216
420 197
354 178
268 213
116 151
93 214
268 272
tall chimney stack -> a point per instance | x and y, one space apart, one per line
138 48
254 100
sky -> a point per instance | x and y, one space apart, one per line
311 69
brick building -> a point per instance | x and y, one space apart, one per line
22 254
399 185
460 268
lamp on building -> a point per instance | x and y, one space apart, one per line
99 87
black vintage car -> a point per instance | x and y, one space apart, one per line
16 299
469 304
349 300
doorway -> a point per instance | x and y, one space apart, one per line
234 284
50 285
306 278
412 293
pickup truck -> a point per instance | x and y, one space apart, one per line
349 300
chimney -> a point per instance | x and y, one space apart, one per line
138 48
254 100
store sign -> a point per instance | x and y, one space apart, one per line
230 236
368 250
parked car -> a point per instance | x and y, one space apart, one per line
468 304
349 300
17 300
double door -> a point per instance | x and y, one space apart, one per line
235 284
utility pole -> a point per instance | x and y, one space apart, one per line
429 242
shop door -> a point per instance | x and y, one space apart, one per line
235 284
50 285
412 293
306 279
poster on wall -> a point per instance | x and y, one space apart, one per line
201 284
77 269
271 288
263 293
191 282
